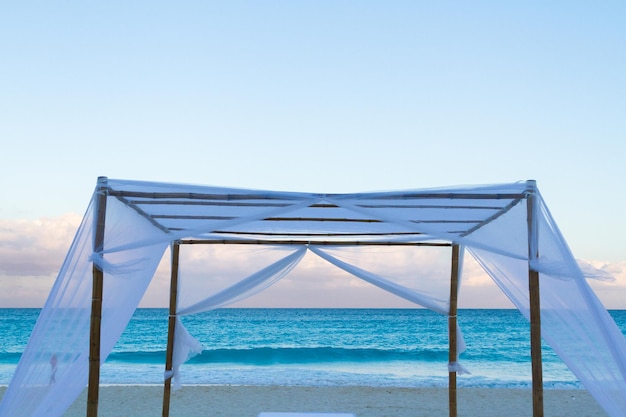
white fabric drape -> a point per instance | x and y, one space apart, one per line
251 285
441 306
186 346
139 228
573 321
62 329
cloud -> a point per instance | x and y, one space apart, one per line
24 291
31 254
35 247
612 293
478 290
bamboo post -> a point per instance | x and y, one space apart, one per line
96 302
535 307
167 388
452 324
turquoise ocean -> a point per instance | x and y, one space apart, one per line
373 347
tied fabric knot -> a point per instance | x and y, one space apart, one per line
458 368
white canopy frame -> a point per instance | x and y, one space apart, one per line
129 224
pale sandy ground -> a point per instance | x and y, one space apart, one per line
248 401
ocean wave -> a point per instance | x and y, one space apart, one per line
289 355
288 375
10 357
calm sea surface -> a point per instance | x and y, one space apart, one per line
377 347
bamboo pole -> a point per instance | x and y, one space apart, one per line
167 388
96 303
452 324
535 307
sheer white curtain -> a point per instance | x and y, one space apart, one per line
573 321
440 305
437 302
42 385
186 346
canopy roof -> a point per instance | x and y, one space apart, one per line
229 213
128 226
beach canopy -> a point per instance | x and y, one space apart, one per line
129 225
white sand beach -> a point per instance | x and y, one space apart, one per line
248 401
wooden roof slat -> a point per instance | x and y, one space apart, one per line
262 197
235 232
321 219
194 196
446 221
207 203
324 205
318 205
191 217
292 234
428 206
442 195
493 217
306 242
139 211
309 219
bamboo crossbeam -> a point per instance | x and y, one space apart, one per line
286 196
169 355
142 213
275 219
489 219
303 234
93 389
314 235
195 196
452 324
345 220
321 219
442 196
305 242
191 217
428 206
161 202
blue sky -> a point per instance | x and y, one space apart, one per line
328 96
